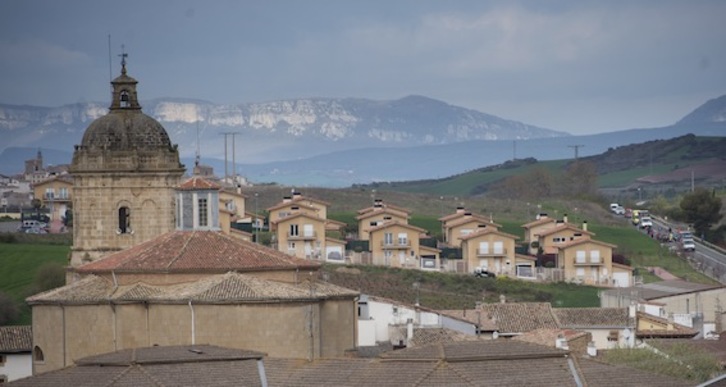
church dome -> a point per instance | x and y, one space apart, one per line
126 130
125 127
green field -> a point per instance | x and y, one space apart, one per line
18 265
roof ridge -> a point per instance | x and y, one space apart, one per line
181 251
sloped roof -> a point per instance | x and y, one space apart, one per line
428 336
521 317
382 210
16 338
384 206
593 317
472 219
481 319
677 331
198 183
224 288
195 251
548 337
298 200
396 223
539 222
487 362
661 289
580 241
487 231
299 215
564 226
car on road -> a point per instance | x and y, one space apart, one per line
646 222
688 245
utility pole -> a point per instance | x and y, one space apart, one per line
577 149
226 171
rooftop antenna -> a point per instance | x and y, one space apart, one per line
110 73
197 155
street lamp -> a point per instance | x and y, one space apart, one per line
640 196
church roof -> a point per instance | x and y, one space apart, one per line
197 183
228 288
197 251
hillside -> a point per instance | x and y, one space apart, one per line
650 163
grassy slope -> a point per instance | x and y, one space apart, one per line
18 264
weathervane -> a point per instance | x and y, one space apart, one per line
123 56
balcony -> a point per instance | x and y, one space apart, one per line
399 244
491 253
592 261
302 237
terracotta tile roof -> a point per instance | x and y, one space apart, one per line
299 201
577 318
472 316
449 217
583 240
521 316
677 331
194 251
16 338
564 226
429 336
548 337
396 223
501 349
382 210
490 363
596 373
282 205
198 183
539 222
487 231
472 219
223 288
203 366
298 215
384 206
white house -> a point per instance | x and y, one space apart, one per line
16 344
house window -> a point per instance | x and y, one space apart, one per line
403 239
38 354
580 256
3 379
559 239
294 230
373 224
613 336
498 247
202 210
63 193
291 245
49 193
124 220
388 238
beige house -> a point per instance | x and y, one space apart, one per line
397 245
533 229
550 239
463 222
300 226
377 215
493 251
56 194
456 229
590 262
654 327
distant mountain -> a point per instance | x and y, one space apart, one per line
356 157
276 130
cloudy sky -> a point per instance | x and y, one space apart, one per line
578 66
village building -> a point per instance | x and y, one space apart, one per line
490 250
16 344
377 215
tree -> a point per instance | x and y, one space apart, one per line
702 209
580 180
8 309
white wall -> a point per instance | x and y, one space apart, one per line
17 366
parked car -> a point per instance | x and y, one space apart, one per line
619 210
480 272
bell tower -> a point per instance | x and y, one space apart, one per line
125 173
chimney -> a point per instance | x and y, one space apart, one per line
561 343
296 195
632 310
564 218
591 349
459 210
584 225
502 298
286 199
378 203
